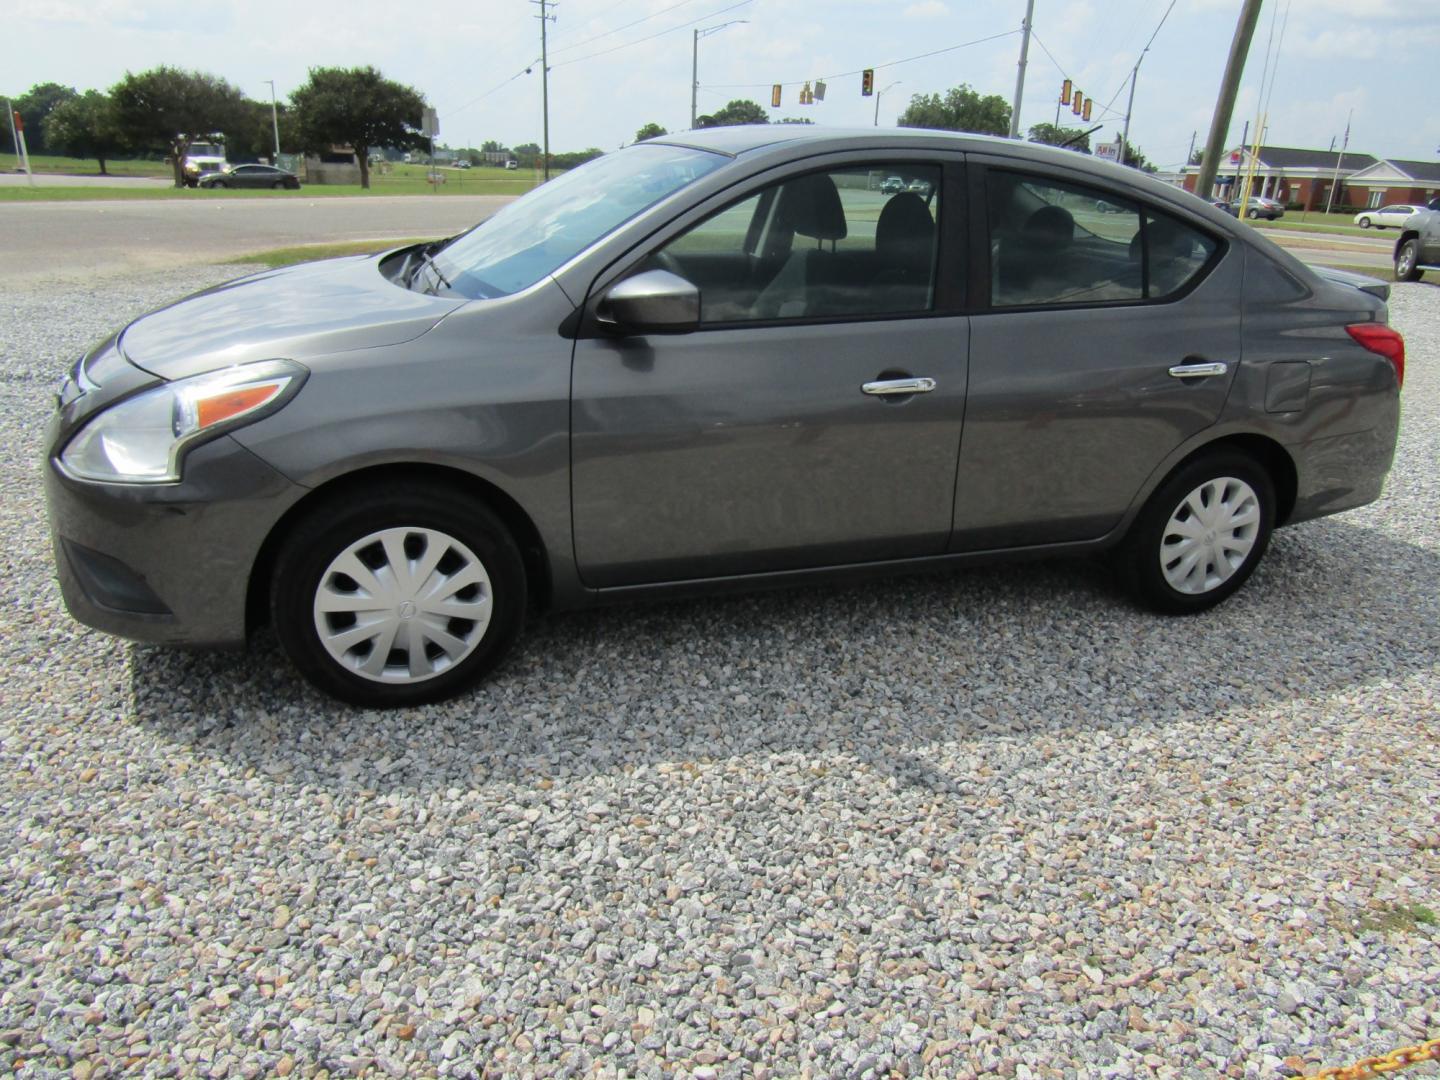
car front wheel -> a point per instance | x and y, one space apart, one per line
1252 214
1201 534
405 595
1364 223
1407 261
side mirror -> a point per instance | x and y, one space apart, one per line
655 302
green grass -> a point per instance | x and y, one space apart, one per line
1389 918
53 163
289 256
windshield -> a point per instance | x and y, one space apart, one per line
200 149
535 235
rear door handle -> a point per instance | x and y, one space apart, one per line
1199 371
899 386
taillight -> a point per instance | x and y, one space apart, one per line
1381 339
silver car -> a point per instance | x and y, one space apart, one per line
715 361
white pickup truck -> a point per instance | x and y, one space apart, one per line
1418 248
203 158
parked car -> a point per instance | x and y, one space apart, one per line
1225 207
891 185
252 176
1261 207
691 385
1418 248
919 187
1385 217
463 163
512 165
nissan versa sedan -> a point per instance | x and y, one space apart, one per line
718 360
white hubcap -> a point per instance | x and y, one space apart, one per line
403 605
1210 535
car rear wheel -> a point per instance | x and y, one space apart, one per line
1407 261
403 596
1201 534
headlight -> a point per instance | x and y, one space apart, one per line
142 439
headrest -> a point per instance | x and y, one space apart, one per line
905 222
1050 227
812 207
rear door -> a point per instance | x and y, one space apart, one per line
1106 334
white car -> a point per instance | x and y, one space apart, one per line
1385 217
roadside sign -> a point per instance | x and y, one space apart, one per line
430 124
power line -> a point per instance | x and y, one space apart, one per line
1143 51
636 22
652 37
1062 71
873 67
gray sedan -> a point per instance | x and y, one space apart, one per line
719 360
251 176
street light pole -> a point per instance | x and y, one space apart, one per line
275 122
695 62
877 99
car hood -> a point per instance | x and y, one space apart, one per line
297 312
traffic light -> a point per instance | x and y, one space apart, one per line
1065 89
1077 103
807 96
867 82
775 96
1088 103
819 94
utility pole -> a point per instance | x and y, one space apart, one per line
1129 108
275 122
545 17
1225 104
1335 181
1191 154
1020 77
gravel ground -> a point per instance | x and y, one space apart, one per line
993 822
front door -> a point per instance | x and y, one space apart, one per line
772 438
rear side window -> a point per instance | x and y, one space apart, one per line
1057 243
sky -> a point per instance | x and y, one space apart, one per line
616 65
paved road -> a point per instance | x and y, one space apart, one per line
1334 249
86 240
19 179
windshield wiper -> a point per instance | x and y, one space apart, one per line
427 258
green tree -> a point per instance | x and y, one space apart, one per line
254 137
527 155
739 111
85 127
1070 138
34 106
490 146
166 109
651 130
961 109
359 108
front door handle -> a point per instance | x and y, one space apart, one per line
1199 371
899 386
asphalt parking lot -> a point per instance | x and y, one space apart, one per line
995 822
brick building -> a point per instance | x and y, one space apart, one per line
1394 181
1289 175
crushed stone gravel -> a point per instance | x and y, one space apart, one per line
995 822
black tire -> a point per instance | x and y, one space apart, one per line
1364 223
219 184
278 185
1407 261
1252 214
1141 554
332 528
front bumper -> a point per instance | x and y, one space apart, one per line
168 563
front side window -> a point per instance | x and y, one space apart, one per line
1057 243
847 242
537 234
